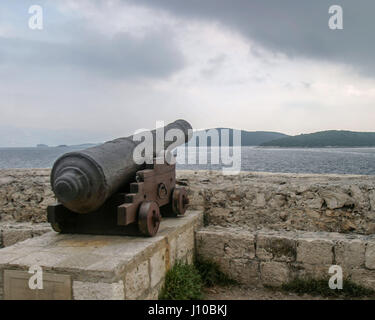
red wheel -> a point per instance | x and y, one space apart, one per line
180 200
149 218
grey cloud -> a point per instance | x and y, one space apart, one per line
214 65
294 27
121 56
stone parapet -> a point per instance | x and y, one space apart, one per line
252 200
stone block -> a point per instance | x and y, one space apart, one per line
98 291
153 293
274 273
336 199
242 270
314 271
350 253
238 245
275 247
231 244
372 200
209 245
137 281
185 243
172 251
315 251
363 277
370 255
157 266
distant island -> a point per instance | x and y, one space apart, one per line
248 138
76 146
331 138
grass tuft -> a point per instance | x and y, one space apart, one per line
320 288
182 282
211 274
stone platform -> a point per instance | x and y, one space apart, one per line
98 267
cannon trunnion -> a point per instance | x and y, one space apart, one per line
136 211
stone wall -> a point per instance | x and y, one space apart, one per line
262 228
252 201
276 257
255 201
24 195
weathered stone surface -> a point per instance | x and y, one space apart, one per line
98 291
370 255
172 251
251 200
158 267
350 253
336 199
307 202
276 247
239 245
274 273
372 199
11 233
153 294
282 255
315 251
244 271
209 244
137 281
185 243
24 195
11 237
364 277
315 271
217 242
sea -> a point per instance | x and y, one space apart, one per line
359 161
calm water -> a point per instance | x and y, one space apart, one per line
324 160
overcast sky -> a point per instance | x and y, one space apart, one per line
102 69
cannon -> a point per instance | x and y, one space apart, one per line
104 190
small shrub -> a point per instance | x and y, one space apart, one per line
182 282
320 287
211 274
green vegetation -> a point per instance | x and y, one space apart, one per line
186 281
326 139
320 288
211 274
182 282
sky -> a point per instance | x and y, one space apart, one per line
101 69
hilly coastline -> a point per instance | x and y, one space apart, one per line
331 138
321 139
248 138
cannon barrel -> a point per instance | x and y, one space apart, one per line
82 181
